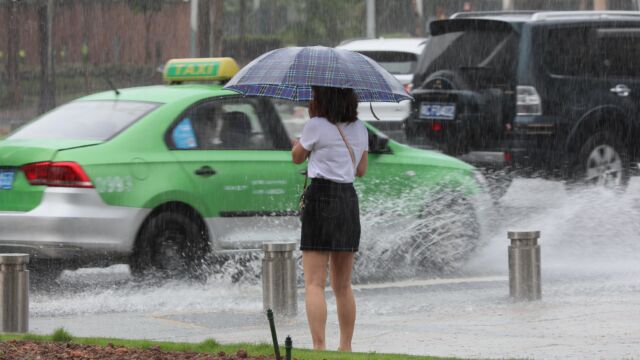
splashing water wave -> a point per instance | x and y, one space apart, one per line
583 231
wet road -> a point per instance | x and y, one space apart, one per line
590 307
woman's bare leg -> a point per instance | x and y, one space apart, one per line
314 264
341 267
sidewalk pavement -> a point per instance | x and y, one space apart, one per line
579 317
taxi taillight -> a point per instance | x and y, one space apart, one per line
58 174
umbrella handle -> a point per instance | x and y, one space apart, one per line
372 112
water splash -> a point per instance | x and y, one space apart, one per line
112 290
583 229
584 232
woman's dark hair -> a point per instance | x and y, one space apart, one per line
335 104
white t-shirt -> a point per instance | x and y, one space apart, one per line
329 158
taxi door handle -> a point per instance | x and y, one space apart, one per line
303 172
621 90
205 171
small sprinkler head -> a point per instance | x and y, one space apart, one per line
288 345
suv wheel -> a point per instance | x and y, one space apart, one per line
445 80
603 160
170 245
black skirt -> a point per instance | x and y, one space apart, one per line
331 217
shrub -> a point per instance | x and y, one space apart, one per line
61 335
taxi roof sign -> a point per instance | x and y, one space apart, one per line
200 69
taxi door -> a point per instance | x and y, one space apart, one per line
238 157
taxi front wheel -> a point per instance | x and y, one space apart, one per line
445 235
170 245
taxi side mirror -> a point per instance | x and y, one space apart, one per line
378 143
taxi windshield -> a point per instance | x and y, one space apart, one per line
85 120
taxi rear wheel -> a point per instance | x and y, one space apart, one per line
44 273
171 245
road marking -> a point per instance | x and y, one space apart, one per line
426 282
179 323
430 282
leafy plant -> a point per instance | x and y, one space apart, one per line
61 335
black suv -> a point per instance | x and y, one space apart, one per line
555 93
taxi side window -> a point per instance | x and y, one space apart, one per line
183 136
241 128
228 124
196 129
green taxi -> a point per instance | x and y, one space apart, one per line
162 177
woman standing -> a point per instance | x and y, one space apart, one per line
336 143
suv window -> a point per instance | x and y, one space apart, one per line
570 51
85 120
619 51
395 62
230 124
593 52
471 48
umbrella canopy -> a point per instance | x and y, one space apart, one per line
289 73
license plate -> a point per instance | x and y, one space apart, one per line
6 179
438 111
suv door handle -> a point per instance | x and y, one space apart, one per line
205 171
621 90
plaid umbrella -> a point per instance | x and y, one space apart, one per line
289 73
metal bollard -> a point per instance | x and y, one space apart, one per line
14 292
524 265
279 278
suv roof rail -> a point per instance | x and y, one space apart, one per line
469 14
548 15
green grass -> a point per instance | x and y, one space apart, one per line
61 335
208 346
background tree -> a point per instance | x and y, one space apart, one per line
204 28
419 27
325 22
218 27
84 49
46 10
243 29
387 14
148 9
13 48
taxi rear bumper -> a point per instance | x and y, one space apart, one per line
71 223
